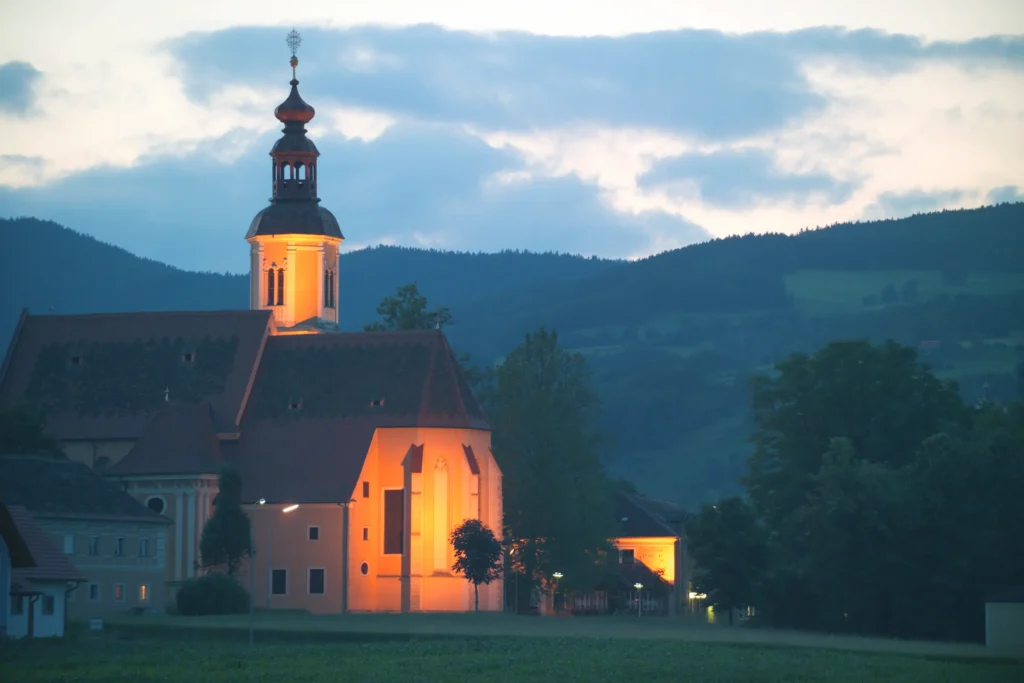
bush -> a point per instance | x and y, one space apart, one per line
214 593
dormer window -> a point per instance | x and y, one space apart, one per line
377 403
295 405
188 357
75 360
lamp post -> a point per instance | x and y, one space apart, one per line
639 601
558 577
270 526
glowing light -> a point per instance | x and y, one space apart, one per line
558 575
697 596
263 501
638 586
290 508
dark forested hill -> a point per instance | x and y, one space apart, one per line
671 339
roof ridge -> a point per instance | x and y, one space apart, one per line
121 314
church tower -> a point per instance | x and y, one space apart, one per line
294 242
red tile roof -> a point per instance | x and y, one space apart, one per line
309 404
51 563
18 549
180 440
105 375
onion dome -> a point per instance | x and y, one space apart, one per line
294 109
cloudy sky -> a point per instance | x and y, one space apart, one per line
612 128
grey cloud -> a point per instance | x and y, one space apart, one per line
706 83
739 178
895 205
415 180
17 80
1006 194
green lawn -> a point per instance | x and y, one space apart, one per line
144 654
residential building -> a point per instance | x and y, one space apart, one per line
38 594
14 554
113 540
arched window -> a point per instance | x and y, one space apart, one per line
271 281
333 289
441 531
280 286
300 171
329 288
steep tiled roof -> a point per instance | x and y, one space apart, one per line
180 440
637 521
50 563
50 486
399 379
18 549
105 375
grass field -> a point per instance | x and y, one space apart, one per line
412 648
824 292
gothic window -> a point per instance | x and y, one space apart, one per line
441 531
280 286
394 520
270 287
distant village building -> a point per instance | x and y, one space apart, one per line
114 542
359 452
36 576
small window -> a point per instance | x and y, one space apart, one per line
279 581
48 605
76 360
188 357
314 533
69 544
118 546
316 581
377 403
17 607
94 591
143 593
626 557
294 405
143 547
156 504
94 545
364 569
366 533
366 489
119 592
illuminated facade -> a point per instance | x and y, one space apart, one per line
359 452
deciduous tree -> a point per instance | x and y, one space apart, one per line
557 508
477 555
408 310
23 431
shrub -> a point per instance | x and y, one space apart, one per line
214 593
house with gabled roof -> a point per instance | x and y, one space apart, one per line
39 583
115 542
359 452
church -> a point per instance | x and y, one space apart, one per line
359 452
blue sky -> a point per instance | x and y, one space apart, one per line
583 129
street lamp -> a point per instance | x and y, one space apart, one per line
252 577
639 602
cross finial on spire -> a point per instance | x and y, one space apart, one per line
294 40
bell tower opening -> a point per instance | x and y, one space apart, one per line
294 242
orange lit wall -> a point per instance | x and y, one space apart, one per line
438 497
657 553
304 259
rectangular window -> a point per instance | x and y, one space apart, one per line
314 533
394 521
94 545
316 581
366 489
72 594
94 591
48 605
143 593
279 581
69 544
118 546
119 592
626 557
16 605
366 533
143 547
